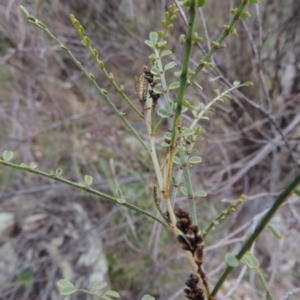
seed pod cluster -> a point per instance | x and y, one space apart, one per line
193 291
150 78
191 240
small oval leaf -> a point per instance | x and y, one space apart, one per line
88 180
24 10
166 53
58 172
164 144
187 131
148 43
65 291
119 193
200 194
170 65
275 231
177 160
186 103
158 90
7 155
155 71
250 260
32 165
184 190
173 179
152 56
174 85
204 118
148 297
112 294
65 283
153 36
168 135
163 113
231 260
121 200
181 148
161 44
195 160
97 286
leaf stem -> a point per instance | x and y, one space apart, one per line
182 87
83 188
263 223
220 40
163 83
91 78
188 184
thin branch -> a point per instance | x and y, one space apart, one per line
83 188
179 98
263 223
290 294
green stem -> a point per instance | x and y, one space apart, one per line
182 87
158 125
223 214
83 188
263 223
265 285
91 78
188 185
220 40
175 189
108 101
210 104
152 151
163 83
118 89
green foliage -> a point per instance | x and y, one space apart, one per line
26 278
275 231
148 297
250 260
88 180
231 260
7 155
156 83
66 287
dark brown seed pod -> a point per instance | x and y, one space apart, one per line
193 291
148 78
183 243
195 229
198 255
190 235
192 281
199 241
147 71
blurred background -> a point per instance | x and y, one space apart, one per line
51 114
